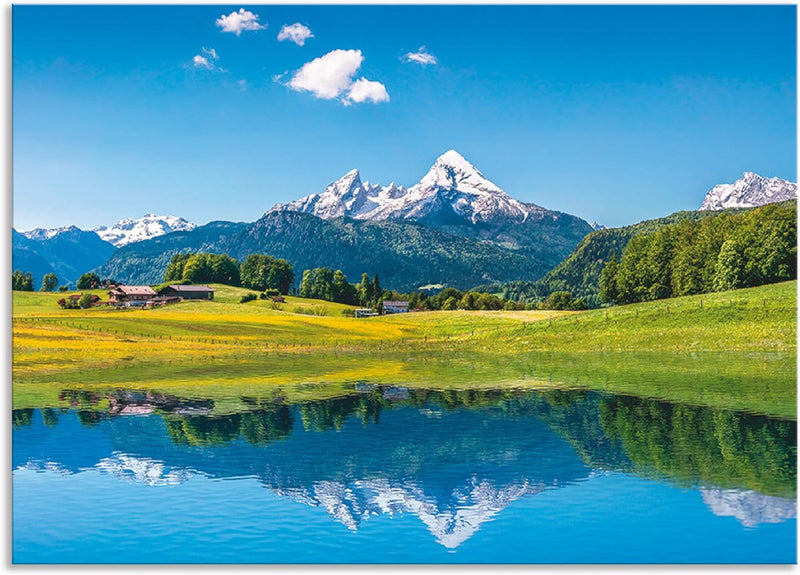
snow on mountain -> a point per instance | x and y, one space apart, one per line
451 518
452 186
749 507
749 191
596 226
41 234
128 231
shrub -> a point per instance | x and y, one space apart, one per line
248 297
86 300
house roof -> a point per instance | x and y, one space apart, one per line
190 288
395 303
135 290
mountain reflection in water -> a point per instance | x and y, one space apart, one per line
454 459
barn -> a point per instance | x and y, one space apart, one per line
188 291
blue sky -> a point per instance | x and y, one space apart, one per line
612 113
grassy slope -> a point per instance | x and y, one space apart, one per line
736 349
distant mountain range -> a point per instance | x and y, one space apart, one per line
454 227
749 191
70 251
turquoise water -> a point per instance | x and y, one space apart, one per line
395 475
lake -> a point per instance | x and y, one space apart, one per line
392 474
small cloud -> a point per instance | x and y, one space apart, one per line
296 32
207 62
237 22
364 90
242 85
202 62
421 56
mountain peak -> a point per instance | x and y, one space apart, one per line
452 171
454 159
452 188
128 230
749 191
347 182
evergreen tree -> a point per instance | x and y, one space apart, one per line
306 287
365 291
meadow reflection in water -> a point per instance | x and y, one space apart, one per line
454 459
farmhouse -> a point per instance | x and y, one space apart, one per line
188 291
128 294
395 307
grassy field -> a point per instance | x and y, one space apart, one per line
734 349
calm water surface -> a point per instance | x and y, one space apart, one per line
394 475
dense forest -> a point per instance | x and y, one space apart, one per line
722 252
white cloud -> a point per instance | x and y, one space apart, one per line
237 22
296 32
364 90
201 62
207 62
421 56
329 75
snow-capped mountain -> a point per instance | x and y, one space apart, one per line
749 191
128 231
452 188
41 234
451 518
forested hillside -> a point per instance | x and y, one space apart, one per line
580 272
405 255
727 251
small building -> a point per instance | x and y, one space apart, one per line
188 291
364 312
127 294
395 307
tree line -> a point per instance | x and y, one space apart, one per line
723 252
332 285
258 271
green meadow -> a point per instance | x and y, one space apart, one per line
733 350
